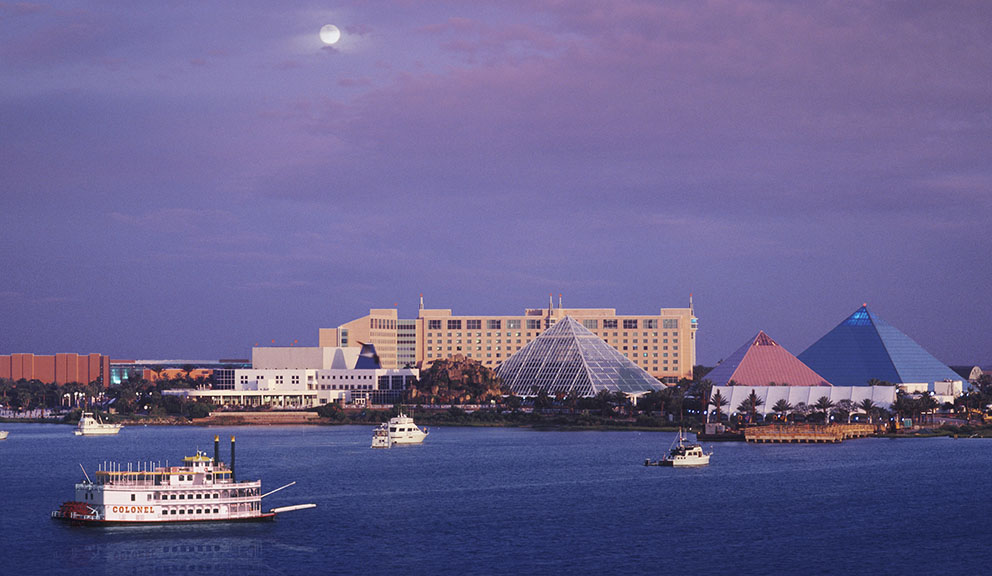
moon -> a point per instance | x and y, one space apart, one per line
330 34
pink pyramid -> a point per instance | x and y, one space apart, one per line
760 362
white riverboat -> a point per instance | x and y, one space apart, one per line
682 455
91 425
400 429
203 489
3 434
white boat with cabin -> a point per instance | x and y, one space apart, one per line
682 455
3 434
202 489
400 429
91 425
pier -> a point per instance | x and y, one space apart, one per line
800 433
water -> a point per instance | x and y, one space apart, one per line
517 501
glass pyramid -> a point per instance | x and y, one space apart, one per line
569 357
864 346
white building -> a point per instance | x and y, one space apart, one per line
881 396
291 377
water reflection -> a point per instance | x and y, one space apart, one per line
169 550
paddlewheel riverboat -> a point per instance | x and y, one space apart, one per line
203 489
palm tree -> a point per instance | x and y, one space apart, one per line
844 408
869 408
824 404
927 404
718 401
782 408
750 406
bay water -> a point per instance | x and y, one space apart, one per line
517 501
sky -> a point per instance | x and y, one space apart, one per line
187 180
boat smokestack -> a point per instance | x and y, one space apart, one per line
232 459
216 450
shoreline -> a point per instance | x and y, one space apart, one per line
304 418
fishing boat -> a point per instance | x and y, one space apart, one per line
682 455
91 425
400 429
202 489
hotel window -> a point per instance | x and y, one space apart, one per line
454 324
591 323
433 324
670 323
650 323
610 323
630 324
494 325
472 324
513 324
533 324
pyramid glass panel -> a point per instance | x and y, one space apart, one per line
567 357
865 347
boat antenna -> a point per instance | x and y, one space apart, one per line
85 474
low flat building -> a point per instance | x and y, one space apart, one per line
881 396
306 377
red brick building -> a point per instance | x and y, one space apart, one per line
60 368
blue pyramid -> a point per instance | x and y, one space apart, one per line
864 346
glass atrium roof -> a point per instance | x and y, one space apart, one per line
568 357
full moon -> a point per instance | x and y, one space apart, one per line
330 34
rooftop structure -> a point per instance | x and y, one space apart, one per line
567 357
864 347
761 361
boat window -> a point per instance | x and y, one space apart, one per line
182 511
132 497
164 512
216 510
182 496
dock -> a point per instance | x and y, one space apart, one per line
807 434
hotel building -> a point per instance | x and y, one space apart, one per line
663 344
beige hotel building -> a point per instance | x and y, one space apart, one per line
663 344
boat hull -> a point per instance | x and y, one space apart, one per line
100 432
267 517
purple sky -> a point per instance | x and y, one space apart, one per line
187 180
